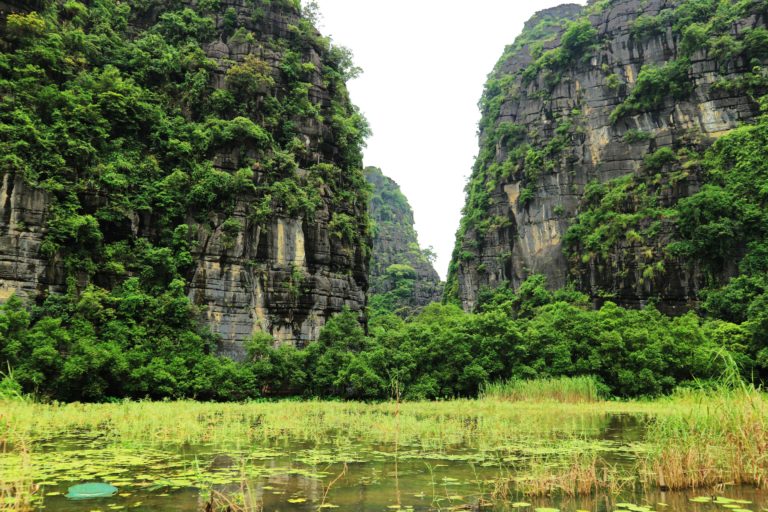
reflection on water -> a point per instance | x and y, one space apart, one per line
339 474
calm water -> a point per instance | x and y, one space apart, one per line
336 473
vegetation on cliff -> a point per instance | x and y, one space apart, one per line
528 137
402 279
112 109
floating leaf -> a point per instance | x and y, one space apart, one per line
297 500
545 509
91 490
520 504
701 499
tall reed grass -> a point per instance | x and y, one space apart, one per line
18 489
478 424
714 437
573 390
583 473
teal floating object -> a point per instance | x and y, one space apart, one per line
91 490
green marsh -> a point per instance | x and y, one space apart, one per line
464 454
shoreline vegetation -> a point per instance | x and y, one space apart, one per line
542 434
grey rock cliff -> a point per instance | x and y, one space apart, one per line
525 215
285 276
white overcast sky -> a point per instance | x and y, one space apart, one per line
424 65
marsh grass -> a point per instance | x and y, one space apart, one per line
574 390
18 489
245 500
476 424
693 439
717 437
583 473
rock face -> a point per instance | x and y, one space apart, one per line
285 274
587 97
401 272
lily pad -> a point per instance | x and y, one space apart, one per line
91 490
520 504
701 499
545 509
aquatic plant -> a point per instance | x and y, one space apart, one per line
477 424
561 389
720 436
18 490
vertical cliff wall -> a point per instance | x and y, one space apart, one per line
594 123
238 155
402 277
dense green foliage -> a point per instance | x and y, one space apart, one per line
443 352
116 114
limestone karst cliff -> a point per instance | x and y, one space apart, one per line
594 125
402 277
206 142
